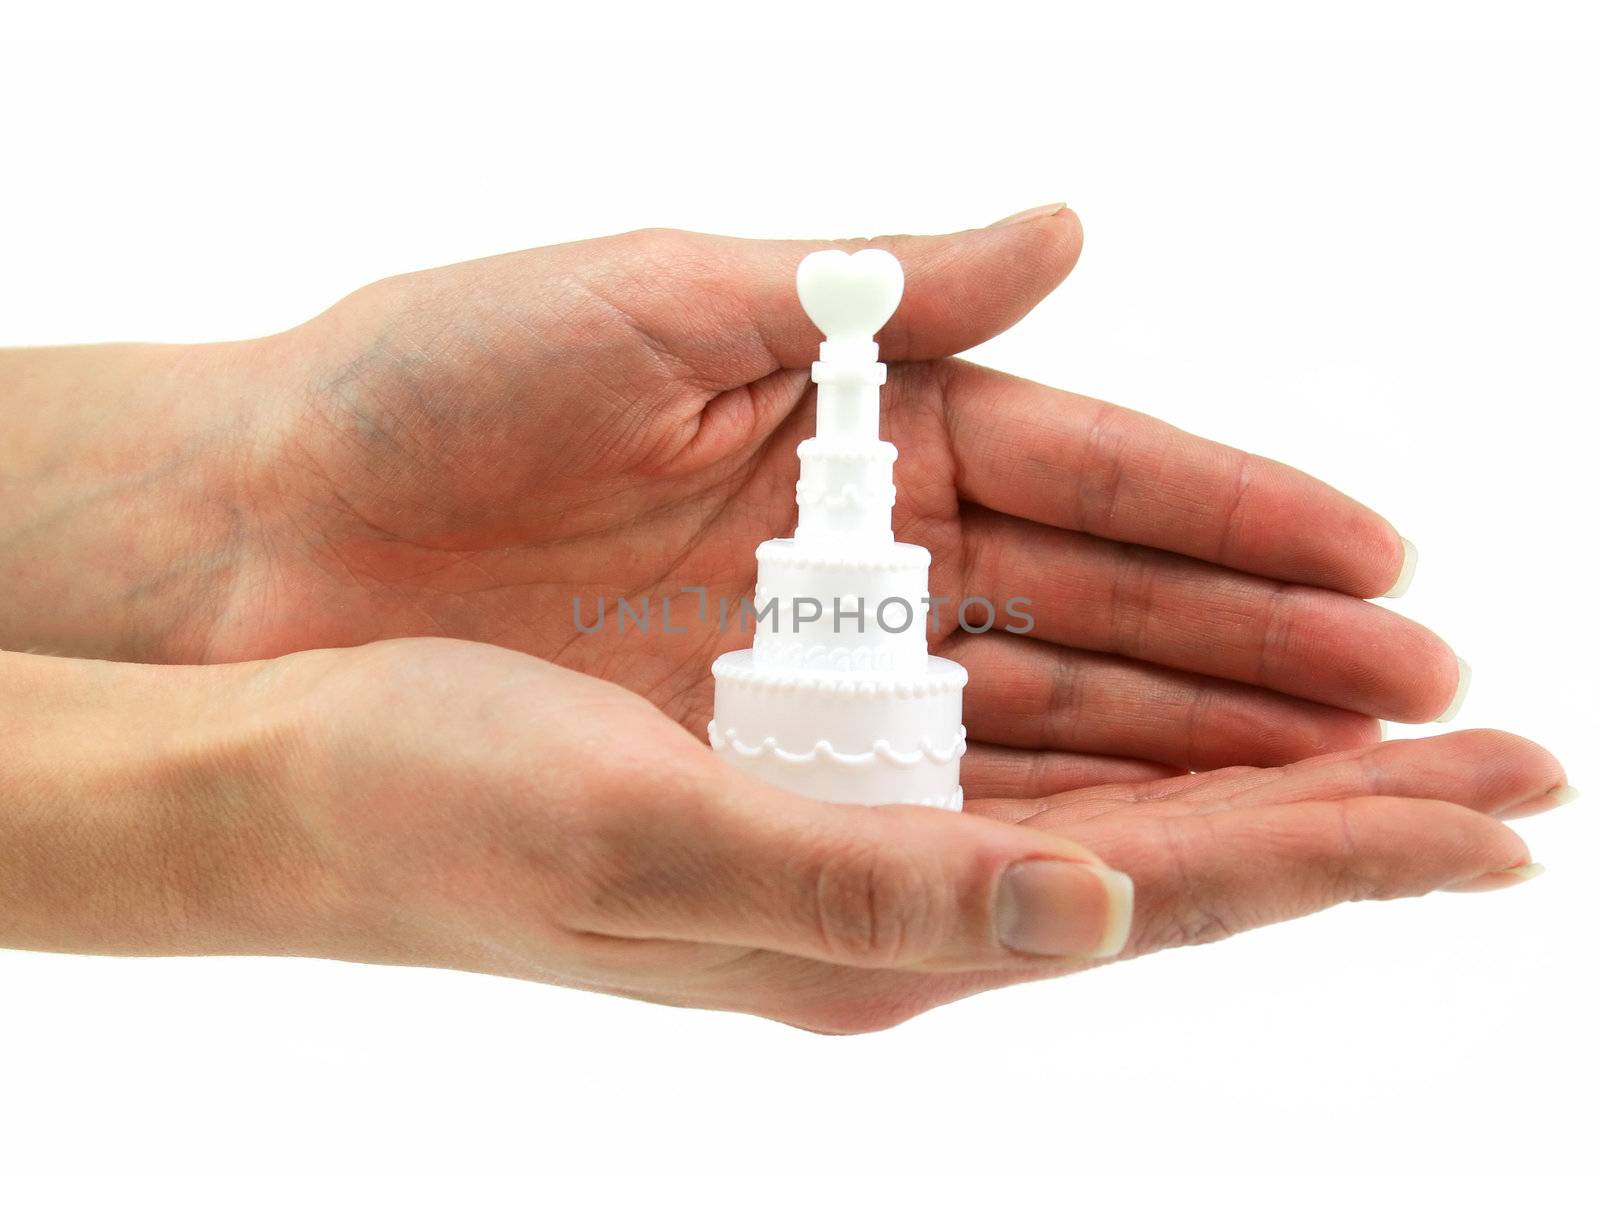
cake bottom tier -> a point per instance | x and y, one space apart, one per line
864 739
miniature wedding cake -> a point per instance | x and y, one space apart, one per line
839 699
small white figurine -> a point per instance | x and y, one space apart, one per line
839 698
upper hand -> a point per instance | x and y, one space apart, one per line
467 451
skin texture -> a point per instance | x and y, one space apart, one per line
462 452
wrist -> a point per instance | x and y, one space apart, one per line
146 812
132 460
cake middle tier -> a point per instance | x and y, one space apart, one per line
841 608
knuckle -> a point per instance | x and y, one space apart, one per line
1192 912
663 237
646 239
1347 875
873 905
658 250
1198 924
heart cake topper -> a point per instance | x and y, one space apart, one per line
849 296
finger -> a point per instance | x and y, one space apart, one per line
1484 769
1057 458
1198 879
991 771
1032 695
1190 615
727 306
1202 878
903 887
1487 770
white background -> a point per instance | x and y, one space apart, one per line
1376 261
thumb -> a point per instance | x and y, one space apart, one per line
897 886
727 307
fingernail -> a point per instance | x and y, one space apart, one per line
1049 209
1462 683
1408 569
1556 797
1051 908
1501 880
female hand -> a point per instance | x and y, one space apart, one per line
470 451
442 803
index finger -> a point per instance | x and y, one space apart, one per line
1081 464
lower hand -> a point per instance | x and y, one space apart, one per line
451 804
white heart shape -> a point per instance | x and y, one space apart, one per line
849 296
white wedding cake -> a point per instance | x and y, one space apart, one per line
839 699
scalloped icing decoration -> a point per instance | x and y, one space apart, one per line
823 751
847 601
811 494
864 658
